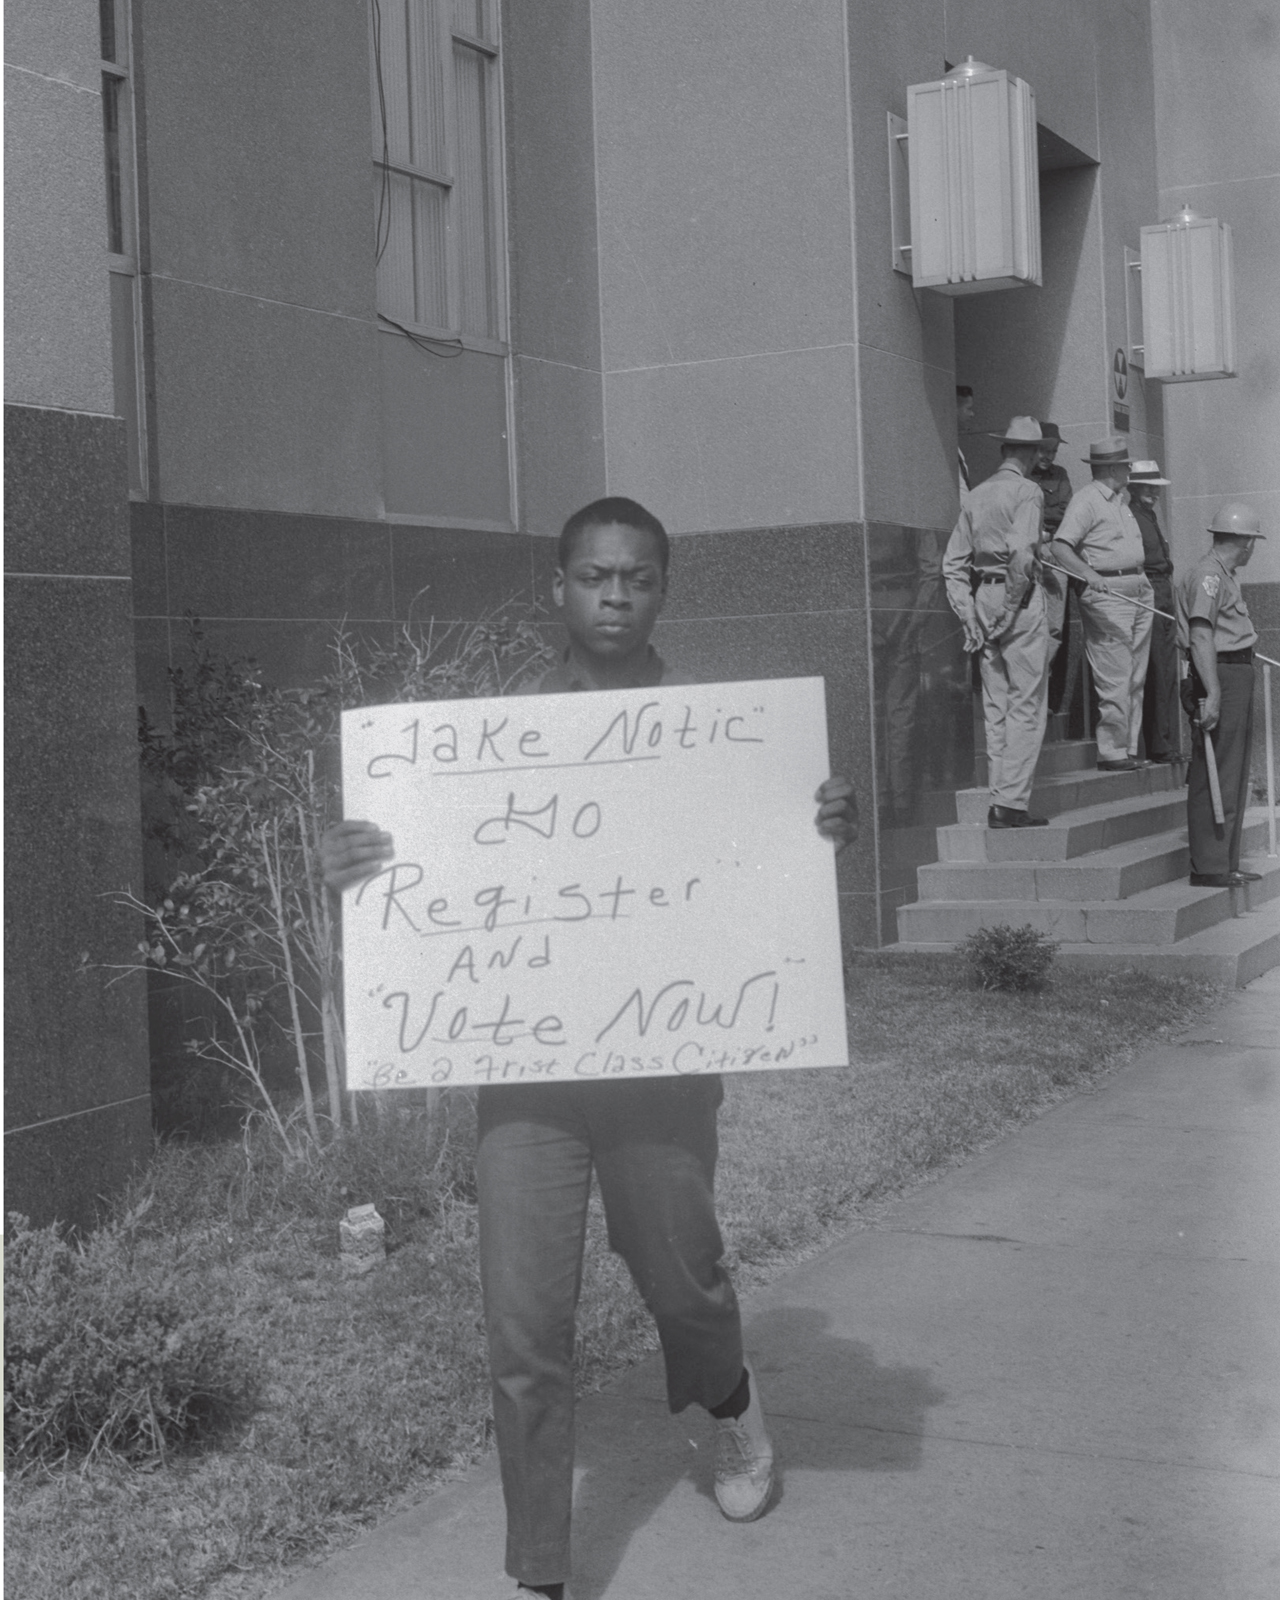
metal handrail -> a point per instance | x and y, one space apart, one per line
1267 665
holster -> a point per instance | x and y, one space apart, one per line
1191 692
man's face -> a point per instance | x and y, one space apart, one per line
1245 547
1143 493
964 409
1045 455
611 592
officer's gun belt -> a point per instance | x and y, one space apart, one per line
1118 572
1236 658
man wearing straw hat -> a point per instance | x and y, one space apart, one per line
991 574
1160 692
1100 543
1215 630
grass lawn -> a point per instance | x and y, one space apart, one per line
372 1389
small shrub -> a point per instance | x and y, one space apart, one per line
106 1354
1004 957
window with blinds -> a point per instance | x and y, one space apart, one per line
115 30
436 165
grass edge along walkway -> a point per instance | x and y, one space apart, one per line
376 1390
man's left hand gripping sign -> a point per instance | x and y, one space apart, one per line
591 886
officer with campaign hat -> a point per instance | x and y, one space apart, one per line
991 568
1100 543
1215 631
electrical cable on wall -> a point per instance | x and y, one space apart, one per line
381 238
448 348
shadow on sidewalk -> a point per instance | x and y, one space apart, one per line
832 1408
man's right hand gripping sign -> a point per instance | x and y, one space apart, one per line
650 1141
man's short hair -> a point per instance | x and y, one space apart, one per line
964 391
599 514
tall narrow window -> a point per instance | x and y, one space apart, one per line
436 165
122 226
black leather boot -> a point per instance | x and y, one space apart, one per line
1011 817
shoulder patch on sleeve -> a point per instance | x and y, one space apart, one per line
1209 583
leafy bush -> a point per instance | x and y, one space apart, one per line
105 1353
1005 957
240 933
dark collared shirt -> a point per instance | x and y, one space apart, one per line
566 677
1055 486
1155 552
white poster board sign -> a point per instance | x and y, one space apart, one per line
592 886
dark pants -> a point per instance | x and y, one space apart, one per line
653 1145
1160 709
1214 849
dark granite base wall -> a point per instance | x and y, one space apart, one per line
766 602
76 1061
789 602
1263 601
273 585
923 706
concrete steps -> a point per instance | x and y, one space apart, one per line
1107 879
1069 834
1071 791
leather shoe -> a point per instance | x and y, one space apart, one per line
1011 817
1215 880
1127 765
1164 761
1240 876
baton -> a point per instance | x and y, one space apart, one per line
1211 767
1134 601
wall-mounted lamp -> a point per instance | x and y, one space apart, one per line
974 182
1188 299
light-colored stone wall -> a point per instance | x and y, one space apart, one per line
1217 74
57 313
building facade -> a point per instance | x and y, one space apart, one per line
382 290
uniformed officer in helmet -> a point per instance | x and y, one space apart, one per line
1099 543
1214 629
991 567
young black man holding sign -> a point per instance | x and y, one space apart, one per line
651 1141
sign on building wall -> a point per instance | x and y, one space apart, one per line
593 886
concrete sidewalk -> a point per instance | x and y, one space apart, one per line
1056 1372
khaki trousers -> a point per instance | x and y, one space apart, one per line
1117 637
1015 696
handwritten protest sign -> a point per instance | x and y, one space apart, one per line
593 886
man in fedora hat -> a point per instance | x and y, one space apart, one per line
1160 692
1099 542
1215 631
1055 486
990 568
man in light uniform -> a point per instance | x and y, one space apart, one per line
990 571
1160 692
1215 630
1099 542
